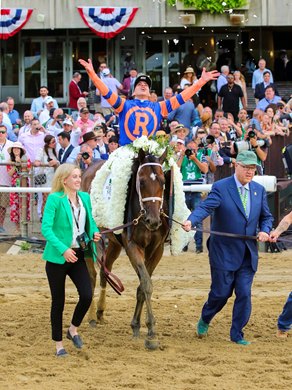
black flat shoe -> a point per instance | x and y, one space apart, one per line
77 341
61 353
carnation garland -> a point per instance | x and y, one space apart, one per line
119 166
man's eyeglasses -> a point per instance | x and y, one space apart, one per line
2 131
247 167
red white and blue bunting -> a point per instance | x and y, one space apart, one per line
13 20
107 22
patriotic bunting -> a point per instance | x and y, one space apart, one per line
107 22
13 20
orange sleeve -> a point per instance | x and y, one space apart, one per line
109 95
177 100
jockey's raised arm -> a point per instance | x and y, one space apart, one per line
167 106
140 116
179 99
113 98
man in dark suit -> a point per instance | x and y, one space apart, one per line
75 91
239 206
66 147
260 88
128 83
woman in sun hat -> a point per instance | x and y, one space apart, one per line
188 77
16 152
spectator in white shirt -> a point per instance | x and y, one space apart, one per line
38 104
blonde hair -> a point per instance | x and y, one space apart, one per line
62 172
241 76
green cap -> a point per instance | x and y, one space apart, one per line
247 157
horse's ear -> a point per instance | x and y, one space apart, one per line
163 156
141 155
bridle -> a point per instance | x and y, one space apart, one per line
148 198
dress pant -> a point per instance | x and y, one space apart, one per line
78 273
222 286
285 318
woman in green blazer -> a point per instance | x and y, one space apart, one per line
69 229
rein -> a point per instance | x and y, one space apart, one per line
225 234
111 278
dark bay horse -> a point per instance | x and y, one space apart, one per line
148 194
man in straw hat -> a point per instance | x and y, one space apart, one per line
91 140
239 207
139 116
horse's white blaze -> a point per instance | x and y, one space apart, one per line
153 176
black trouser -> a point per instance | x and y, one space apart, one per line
78 273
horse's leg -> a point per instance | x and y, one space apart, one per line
144 293
151 261
112 253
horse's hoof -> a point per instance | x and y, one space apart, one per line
101 321
151 344
92 323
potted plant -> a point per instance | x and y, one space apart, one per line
213 6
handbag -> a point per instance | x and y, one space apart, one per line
40 179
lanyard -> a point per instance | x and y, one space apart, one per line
73 212
2 146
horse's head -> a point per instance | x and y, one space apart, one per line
150 188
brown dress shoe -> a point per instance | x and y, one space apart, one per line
282 334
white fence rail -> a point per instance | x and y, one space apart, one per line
29 205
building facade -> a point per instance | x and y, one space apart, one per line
162 40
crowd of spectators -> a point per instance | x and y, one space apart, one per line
203 139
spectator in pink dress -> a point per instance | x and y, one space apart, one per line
16 152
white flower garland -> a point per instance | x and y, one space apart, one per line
119 166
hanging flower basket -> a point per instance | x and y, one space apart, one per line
213 6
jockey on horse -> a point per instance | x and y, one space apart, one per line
137 118
140 116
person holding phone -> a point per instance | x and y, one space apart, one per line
69 230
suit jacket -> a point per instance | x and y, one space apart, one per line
229 216
57 226
127 87
259 92
74 94
65 155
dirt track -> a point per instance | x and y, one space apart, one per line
110 358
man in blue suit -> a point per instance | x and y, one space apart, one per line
239 206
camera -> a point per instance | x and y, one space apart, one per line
61 117
83 241
251 134
226 144
85 155
240 146
209 140
188 152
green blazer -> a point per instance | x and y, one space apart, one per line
57 226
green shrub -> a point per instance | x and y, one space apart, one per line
214 6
